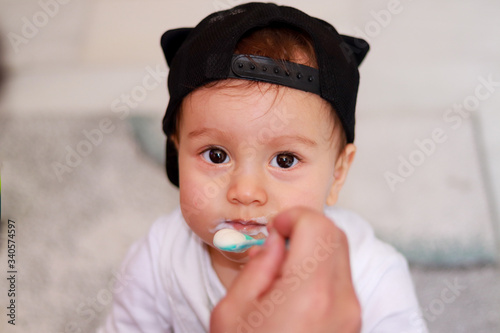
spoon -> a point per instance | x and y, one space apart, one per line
233 241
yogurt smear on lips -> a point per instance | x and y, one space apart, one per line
251 227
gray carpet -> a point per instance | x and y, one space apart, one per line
74 224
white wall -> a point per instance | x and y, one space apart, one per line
426 57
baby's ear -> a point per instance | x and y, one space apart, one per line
342 166
174 139
172 40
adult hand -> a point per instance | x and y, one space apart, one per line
307 288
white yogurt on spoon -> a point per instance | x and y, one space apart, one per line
234 241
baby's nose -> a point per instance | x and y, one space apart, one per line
247 188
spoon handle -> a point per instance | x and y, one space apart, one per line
249 243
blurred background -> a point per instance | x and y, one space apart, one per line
81 147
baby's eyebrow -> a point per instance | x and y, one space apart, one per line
286 138
205 131
299 138
197 132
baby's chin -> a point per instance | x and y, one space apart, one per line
239 258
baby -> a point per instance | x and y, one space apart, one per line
260 131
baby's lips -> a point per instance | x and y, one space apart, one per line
249 227
245 222
244 225
260 220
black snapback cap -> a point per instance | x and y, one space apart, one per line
205 53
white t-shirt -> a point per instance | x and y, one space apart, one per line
169 284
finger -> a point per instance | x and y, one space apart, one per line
317 245
253 251
287 222
260 272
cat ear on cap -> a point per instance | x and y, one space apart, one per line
172 40
357 47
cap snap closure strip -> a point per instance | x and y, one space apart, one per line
290 74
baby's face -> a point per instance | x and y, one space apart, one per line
247 153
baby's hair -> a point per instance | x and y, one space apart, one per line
281 43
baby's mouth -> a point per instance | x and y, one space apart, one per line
249 227
242 225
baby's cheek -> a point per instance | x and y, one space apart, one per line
305 194
191 197
200 194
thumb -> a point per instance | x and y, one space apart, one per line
261 271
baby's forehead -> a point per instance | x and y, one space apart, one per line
257 101
243 92
239 88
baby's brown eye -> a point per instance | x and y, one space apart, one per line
284 161
216 155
